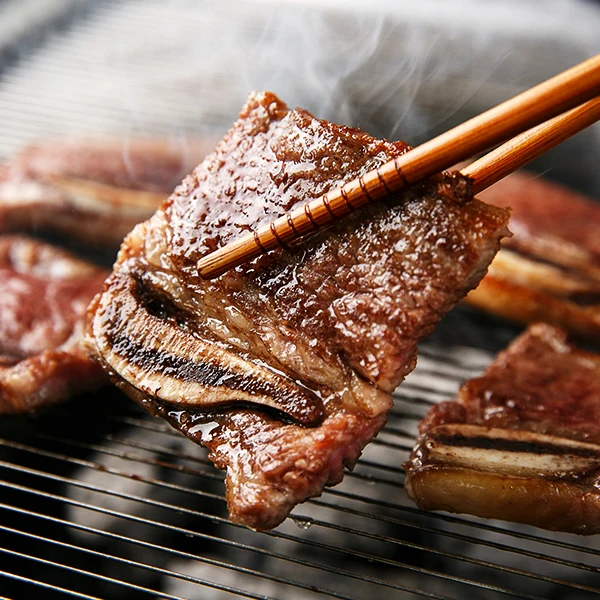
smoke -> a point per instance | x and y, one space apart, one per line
406 70
182 69
411 70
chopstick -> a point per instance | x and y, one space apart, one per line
528 109
530 144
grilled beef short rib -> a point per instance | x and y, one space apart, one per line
92 192
550 269
521 443
44 293
284 367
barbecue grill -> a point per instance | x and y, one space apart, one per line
98 499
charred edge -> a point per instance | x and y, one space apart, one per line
503 445
173 366
302 406
157 303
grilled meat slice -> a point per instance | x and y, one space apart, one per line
550 221
550 269
501 295
521 443
284 367
93 192
44 293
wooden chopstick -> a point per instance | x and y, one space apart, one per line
530 108
530 144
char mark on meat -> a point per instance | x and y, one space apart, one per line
284 367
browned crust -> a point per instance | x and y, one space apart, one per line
91 191
46 379
521 442
339 313
550 269
550 221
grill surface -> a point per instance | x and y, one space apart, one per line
101 501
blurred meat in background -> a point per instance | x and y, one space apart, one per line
110 503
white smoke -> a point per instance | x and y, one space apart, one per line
403 69
411 70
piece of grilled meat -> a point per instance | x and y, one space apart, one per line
521 443
92 192
284 367
550 269
44 293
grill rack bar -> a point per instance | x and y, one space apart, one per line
79 571
146 566
381 538
153 425
218 477
337 507
175 454
212 474
190 532
46 586
79 44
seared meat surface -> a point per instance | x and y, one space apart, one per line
44 293
550 269
93 192
284 367
520 443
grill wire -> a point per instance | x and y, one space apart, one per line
101 501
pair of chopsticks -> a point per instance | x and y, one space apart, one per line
554 110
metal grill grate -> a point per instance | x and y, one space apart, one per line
100 501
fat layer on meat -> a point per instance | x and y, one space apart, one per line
44 293
284 366
521 442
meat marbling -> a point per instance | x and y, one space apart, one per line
284 367
44 293
521 442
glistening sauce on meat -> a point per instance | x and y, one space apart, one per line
305 345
